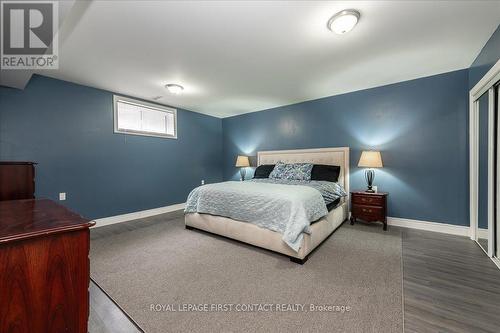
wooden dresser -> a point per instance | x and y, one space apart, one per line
369 207
44 268
17 180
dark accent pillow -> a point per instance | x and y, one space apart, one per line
263 171
325 172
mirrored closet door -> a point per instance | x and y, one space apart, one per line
482 226
484 166
497 175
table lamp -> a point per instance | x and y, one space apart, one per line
242 162
370 159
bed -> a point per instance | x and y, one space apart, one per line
259 236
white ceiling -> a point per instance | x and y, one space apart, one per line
237 57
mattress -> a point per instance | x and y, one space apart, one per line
330 191
332 205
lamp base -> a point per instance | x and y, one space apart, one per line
369 176
242 174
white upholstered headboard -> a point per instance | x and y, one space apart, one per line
330 156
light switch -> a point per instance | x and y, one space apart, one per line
62 196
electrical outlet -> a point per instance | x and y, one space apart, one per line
203 182
62 196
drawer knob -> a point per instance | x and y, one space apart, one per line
367 210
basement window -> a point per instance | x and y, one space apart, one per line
136 117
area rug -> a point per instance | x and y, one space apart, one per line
169 279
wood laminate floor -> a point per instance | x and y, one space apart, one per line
105 316
449 285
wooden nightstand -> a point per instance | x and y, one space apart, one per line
369 207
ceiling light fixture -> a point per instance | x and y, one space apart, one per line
174 88
343 21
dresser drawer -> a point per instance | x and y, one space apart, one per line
368 200
368 211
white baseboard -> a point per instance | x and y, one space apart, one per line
395 221
459 230
137 215
482 233
429 226
496 261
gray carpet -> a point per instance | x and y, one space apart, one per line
157 261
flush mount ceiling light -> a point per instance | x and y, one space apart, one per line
174 88
343 21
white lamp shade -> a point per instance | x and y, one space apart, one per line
242 161
370 159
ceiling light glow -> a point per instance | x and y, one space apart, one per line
174 88
343 21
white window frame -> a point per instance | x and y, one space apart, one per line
156 107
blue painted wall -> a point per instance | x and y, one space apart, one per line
488 56
420 126
68 129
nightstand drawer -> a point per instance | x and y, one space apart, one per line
368 200
375 212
